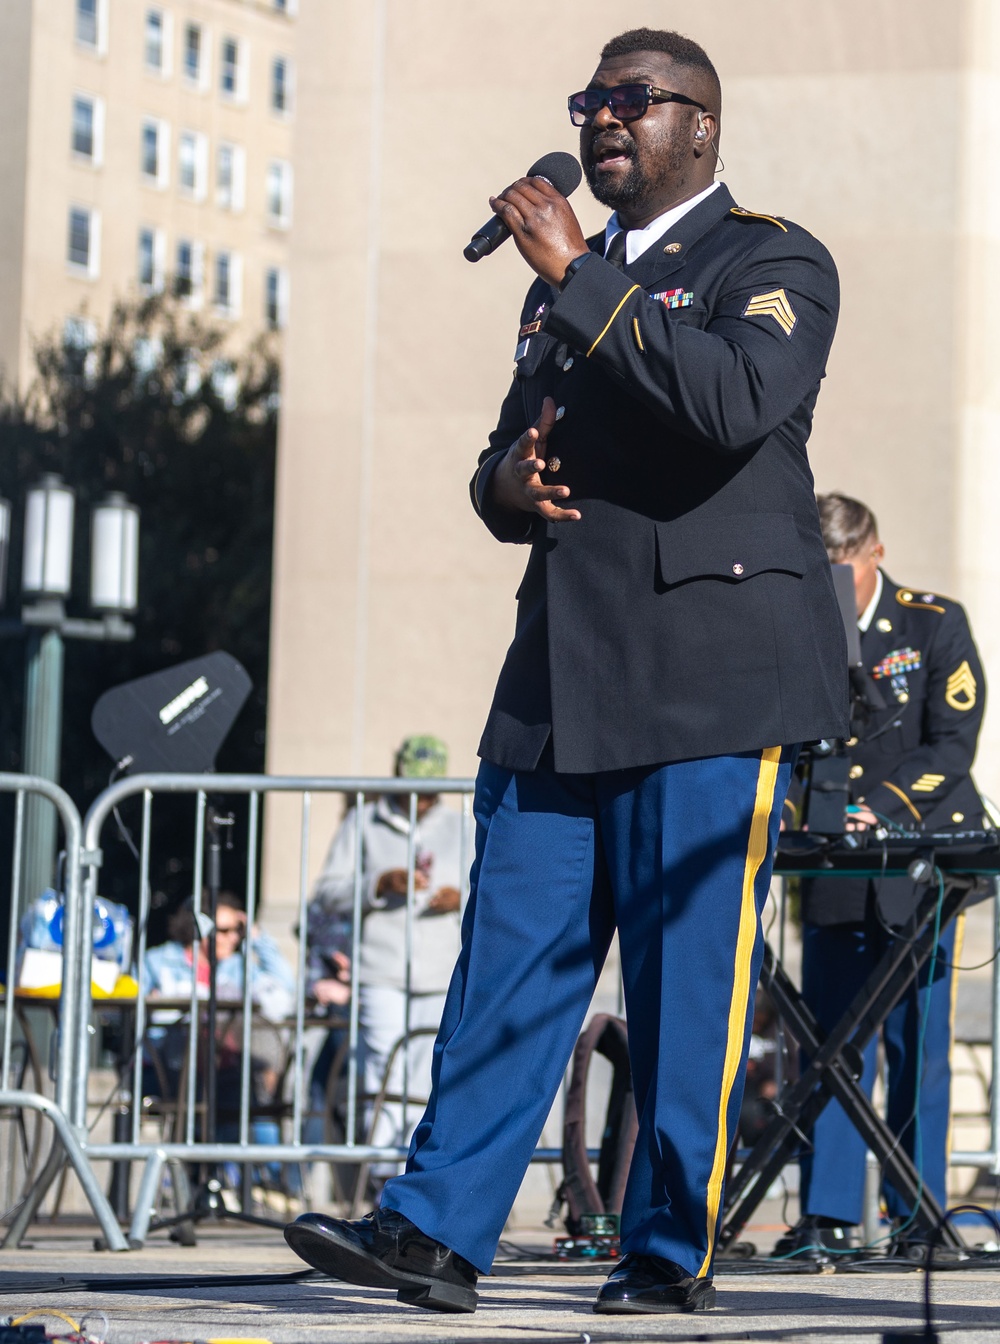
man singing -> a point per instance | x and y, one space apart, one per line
677 636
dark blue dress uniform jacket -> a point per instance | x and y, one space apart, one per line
920 651
690 612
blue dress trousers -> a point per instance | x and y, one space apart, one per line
679 857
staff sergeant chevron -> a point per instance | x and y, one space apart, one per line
776 305
960 690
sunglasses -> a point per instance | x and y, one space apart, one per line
628 102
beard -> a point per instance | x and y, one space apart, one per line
636 186
628 190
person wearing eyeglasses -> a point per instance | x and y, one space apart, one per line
677 635
167 969
910 769
167 972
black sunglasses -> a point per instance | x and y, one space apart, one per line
628 102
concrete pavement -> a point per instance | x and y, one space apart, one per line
521 1302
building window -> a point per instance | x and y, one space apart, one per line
281 85
87 137
230 176
152 257
226 290
233 69
84 241
194 54
276 298
192 165
279 193
155 41
91 24
155 151
189 274
79 339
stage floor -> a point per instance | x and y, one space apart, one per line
522 1302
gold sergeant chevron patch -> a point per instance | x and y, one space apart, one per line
774 305
960 691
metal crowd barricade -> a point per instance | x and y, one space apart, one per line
243 1150
68 1139
68 1112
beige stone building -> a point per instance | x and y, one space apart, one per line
874 123
143 145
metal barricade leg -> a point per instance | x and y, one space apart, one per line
65 1146
145 1200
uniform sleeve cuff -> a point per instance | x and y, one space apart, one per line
586 310
890 801
504 524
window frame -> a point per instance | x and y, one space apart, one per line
160 180
232 305
165 68
202 79
95 159
91 268
195 296
99 46
241 82
281 218
280 320
158 257
235 200
279 59
198 189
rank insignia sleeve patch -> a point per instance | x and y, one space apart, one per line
774 305
960 691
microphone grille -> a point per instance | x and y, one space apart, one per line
559 168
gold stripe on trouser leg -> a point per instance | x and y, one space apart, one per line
956 961
756 853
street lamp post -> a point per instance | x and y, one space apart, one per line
46 581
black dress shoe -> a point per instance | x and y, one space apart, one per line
818 1240
386 1250
645 1283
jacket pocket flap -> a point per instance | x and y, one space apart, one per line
735 547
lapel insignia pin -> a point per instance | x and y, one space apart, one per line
675 298
672 249
776 305
883 625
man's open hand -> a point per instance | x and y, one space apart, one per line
517 482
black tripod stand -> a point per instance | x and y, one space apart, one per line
835 1066
207 1200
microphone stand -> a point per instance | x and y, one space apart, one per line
207 1200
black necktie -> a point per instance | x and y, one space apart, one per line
616 250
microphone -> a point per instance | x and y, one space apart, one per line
560 170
